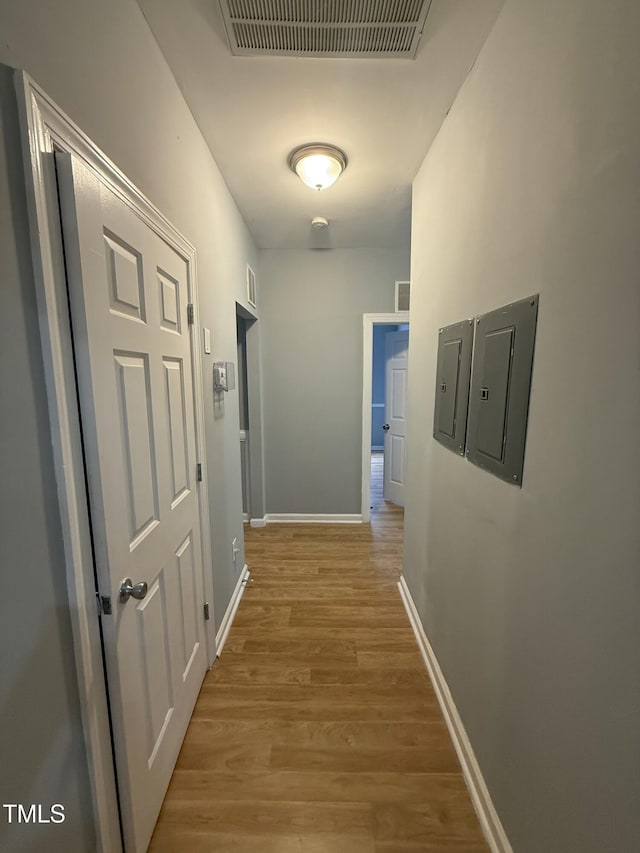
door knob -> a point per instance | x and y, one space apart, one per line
385 427
129 590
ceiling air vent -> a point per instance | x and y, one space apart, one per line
368 29
251 287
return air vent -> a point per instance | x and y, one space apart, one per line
251 287
368 29
403 289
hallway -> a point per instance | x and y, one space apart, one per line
318 731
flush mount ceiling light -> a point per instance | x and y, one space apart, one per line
318 166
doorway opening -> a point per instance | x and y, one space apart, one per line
250 417
378 415
378 446
243 412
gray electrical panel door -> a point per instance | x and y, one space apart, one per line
452 385
500 384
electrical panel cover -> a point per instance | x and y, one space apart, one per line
452 385
500 385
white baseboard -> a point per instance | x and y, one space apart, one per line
227 619
245 517
312 518
489 820
259 522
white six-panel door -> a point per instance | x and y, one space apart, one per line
395 451
128 294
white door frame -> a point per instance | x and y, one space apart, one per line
368 322
46 128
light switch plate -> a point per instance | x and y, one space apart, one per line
220 376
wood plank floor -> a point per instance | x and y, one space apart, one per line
377 480
318 730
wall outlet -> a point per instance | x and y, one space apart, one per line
234 552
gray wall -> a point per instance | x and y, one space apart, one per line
101 64
312 304
530 597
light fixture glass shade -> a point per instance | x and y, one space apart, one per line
318 166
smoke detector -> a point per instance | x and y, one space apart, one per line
319 222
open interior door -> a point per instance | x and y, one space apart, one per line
395 426
128 291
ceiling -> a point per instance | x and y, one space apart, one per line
384 113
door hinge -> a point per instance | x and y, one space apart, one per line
190 319
199 472
104 604
206 611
